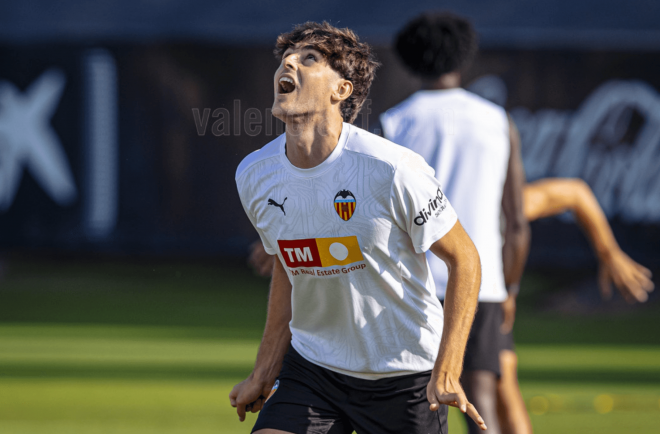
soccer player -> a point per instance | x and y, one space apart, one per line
355 338
469 141
545 198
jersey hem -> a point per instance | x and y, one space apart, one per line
362 376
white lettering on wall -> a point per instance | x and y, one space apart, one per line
612 141
28 140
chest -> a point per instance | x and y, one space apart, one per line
344 203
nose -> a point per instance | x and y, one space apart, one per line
290 61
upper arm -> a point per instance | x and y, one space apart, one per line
280 291
512 196
551 196
456 247
417 204
279 273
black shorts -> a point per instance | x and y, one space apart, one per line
311 399
482 352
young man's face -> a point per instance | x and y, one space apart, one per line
304 83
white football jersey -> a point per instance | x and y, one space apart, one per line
351 234
465 138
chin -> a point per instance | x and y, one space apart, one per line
283 111
279 112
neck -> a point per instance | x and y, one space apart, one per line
450 80
310 141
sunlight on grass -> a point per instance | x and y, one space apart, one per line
131 349
97 406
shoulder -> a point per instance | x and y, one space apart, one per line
267 154
395 157
483 104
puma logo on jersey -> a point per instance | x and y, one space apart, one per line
435 206
320 252
280 206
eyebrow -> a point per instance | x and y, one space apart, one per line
310 47
304 47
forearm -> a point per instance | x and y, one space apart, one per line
460 305
458 252
591 218
277 335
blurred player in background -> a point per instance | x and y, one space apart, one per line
545 198
354 336
463 142
468 141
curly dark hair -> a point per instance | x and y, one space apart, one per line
436 43
343 51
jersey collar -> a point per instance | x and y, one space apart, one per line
325 165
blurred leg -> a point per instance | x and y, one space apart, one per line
511 409
481 389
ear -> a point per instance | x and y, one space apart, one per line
343 90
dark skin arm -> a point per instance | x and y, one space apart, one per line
459 253
274 345
517 232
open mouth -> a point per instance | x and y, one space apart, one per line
286 85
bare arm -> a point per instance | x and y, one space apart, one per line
516 233
274 345
553 196
458 252
260 260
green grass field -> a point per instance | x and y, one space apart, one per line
155 348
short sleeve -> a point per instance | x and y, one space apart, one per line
246 206
418 204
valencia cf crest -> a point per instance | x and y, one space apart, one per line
345 204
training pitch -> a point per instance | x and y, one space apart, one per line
146 347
